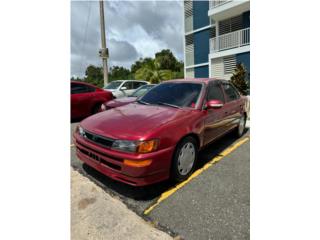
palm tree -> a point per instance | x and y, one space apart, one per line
152 73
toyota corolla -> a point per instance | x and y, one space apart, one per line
159 136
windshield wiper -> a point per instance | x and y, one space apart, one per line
168 104
142 102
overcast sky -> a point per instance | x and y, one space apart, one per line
134 29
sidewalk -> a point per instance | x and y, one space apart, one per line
97 215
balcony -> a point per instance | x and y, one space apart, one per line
223 9
230 40
214 4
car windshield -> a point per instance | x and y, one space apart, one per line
141 90
174 94
113 85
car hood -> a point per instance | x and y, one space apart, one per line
132 121
120 101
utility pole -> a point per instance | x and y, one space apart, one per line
104 53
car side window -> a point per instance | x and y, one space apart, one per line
137 84
142 84
230 91
215 92
78 88
81 88
128 85
90 89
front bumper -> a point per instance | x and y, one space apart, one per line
110 163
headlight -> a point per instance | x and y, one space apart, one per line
136 146
123 145
81 131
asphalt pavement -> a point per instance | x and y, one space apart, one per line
213 205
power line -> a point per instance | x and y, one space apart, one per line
85 36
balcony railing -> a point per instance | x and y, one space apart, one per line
230 40
217 3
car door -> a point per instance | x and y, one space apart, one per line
81 96
129 88
232 105
214 123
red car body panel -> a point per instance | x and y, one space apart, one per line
135 121
119 102
83 104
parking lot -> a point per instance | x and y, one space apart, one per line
213 203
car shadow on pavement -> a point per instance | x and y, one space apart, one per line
122 189
151 192
214 149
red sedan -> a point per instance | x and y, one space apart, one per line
86 99
159 136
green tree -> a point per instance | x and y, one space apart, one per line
76 79
152 72
139 63
94 75
119 73
240 79
167 60
163 67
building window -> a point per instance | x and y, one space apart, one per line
230 25
212 32
188 16
229 64
190 73
189 50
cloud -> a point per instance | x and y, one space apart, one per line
122 51
134 29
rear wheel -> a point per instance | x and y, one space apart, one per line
96 108
242 125
184 160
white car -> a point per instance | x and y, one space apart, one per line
124 88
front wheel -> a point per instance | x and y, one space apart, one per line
184 159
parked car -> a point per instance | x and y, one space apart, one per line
126 100
124 88
86 99
159 136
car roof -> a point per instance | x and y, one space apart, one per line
129 80
84 83
196 80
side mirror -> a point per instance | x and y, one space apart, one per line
214 104
123 88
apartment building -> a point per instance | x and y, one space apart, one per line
217 37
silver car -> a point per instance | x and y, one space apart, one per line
124 88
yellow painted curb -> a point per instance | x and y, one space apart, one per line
196 173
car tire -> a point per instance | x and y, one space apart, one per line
241 126
96 108
184 159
